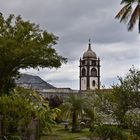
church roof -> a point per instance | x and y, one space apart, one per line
89 53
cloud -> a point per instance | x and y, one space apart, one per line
76 21
116 60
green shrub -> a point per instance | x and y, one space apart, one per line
106 132
132 119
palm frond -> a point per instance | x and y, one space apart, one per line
134 18
123 11
128 1
125 1
126 14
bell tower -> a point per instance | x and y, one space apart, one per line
89 70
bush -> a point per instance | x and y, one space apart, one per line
23 113
106 132
132 119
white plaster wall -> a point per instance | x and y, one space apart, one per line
83 83
96 82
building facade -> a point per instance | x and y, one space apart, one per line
89 70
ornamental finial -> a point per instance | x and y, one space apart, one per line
89 40
89 45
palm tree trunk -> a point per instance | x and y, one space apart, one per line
74 121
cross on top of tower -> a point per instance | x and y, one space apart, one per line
89 45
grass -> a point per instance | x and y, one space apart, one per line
59 133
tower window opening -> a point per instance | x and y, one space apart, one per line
93 83
93 72
83 72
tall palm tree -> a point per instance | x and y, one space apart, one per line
130 13
74 107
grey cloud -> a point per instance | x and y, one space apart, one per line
75 21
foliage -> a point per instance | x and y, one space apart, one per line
119 100
12 137
92 117
23 107
106 132
73 108
128 13
125 92
121 105
103 102
91 112
23 45
59 133
45 114
132 118
15 112
55 101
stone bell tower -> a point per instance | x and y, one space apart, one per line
89 70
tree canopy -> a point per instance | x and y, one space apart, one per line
24 45
124 96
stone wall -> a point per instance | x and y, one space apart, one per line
62 93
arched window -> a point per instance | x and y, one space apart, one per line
93 72
93 83
83 72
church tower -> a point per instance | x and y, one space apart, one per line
89 70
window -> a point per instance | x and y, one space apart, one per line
93 83
93 72
93 62
83 72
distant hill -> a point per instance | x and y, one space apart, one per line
34 82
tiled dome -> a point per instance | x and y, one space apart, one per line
89 53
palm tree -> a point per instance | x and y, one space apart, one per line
130 13
74 107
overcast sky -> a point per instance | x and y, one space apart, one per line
74 22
